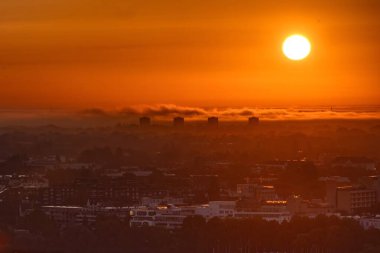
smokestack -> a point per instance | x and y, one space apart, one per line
178 121
253 121
145 121
213 121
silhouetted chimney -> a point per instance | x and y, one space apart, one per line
178 121
253 120
213 121
144 121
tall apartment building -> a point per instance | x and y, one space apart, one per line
352 199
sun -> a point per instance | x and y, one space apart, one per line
296 47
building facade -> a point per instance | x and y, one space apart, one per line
351 199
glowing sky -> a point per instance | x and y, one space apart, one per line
115 53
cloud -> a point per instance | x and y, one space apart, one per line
167 111
164 110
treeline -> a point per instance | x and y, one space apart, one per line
323 234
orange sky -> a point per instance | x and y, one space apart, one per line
115 53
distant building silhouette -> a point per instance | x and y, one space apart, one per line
178 121
351 199
213 121
253 120
205 187
145 121
358 162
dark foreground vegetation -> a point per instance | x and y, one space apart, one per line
323 234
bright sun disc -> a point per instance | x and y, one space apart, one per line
296 47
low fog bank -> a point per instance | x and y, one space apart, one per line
163 114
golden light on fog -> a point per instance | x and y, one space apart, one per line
296 47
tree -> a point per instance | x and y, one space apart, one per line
38 222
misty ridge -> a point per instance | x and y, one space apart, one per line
166 112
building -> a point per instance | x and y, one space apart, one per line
256 191
253 121
213 121
154 202
373 183
169 217
370 222
310 208
273 165
245 190
351 199
332 183
268 216
113 191
354 162
77 215
114 194
216 209
60 195
178 121
204 187
145 121
265 192
278 206
172 217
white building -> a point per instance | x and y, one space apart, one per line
170 217
75 215
368 223
216 209
268 216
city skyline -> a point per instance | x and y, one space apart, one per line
166 126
